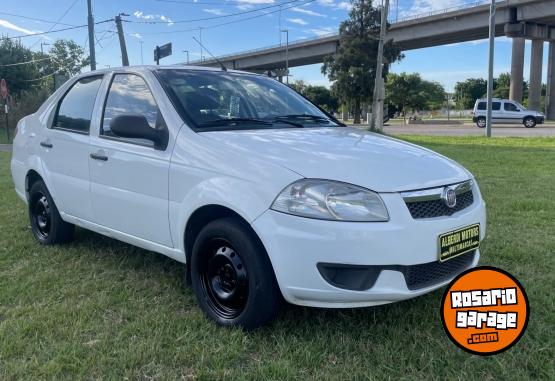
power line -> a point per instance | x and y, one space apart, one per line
57 21
214 17
228 22
25 62
57 30
35 19
43 77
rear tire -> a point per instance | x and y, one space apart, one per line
232 276
46 224
529 122
481 122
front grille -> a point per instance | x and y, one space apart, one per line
428 274
437 208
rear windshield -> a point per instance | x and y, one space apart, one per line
223 100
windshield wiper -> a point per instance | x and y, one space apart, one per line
280 120
226 121
303 116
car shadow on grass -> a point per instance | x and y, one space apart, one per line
292 320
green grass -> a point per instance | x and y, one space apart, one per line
100 309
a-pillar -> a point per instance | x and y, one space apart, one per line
550 98
517 70
536 61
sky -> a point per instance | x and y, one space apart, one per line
230 26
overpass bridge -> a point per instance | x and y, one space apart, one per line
518 19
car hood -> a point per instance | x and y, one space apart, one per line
346 154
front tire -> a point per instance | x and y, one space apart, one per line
232 276
481 122
529 122
46 224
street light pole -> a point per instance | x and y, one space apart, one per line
186 51
490 67
286 31
141 42
200 42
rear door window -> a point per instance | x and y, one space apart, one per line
496 106
75 108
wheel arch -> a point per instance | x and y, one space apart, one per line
199 219
31 177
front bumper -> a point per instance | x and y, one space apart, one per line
297 245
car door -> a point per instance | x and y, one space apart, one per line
64 148
129 176
511 113
496 114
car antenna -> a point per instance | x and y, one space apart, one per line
211 55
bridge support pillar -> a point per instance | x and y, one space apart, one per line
536 61
517 70
550 98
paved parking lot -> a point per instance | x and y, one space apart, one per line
470 129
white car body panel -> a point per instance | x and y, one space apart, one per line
145 197
349 155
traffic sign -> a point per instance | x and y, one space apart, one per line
3 89
162 51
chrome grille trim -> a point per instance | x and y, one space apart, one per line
435 193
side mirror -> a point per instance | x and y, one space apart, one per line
136 126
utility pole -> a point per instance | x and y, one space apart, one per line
124 58
141 42
286 31
490 67
186 51
41 47
92 53
377 122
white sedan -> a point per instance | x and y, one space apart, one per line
260 192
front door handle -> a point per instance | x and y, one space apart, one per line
46 144
96 156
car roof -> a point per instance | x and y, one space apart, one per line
151 68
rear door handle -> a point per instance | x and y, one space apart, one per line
96 156
46 144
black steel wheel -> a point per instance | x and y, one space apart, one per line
46 224
41 215
224 279
232 276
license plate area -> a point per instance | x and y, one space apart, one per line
457 242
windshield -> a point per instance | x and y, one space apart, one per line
223 100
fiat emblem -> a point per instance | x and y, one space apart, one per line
449 197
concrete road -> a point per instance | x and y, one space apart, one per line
471 129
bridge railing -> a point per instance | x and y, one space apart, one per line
439 11
319 37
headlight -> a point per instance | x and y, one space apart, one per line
331 200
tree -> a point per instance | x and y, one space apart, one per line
18 76
502 86
468 91
319 95
68 57
411 92
352 67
